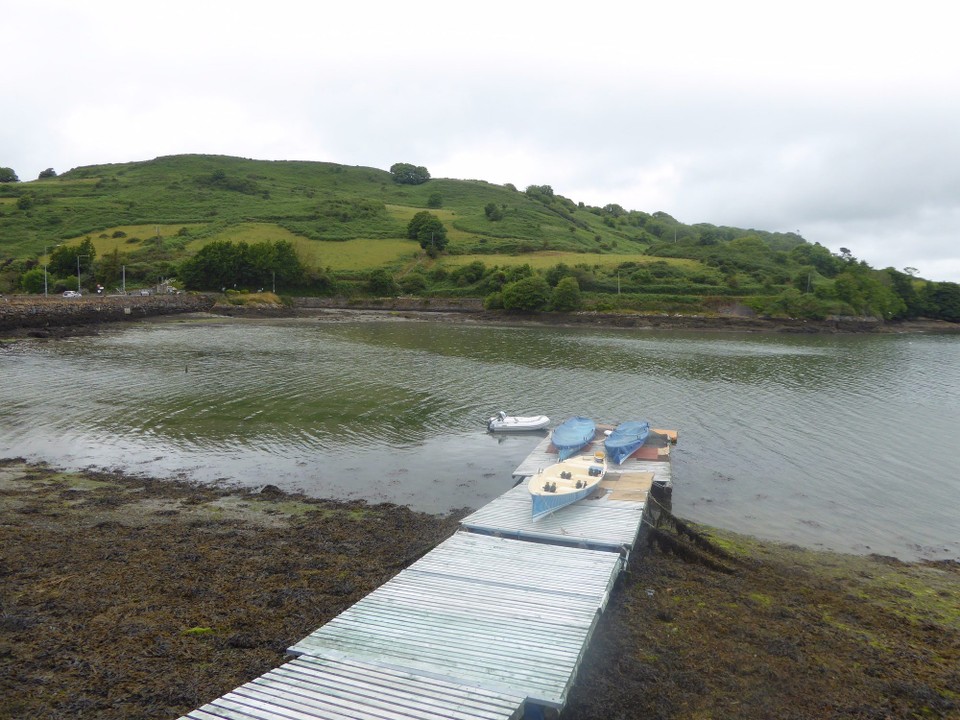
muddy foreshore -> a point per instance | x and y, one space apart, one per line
128 597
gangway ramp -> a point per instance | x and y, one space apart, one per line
504 615
311 688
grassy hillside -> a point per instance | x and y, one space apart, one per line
345 223
316 201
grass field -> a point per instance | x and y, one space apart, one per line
108 244
548 259
358 254
447 217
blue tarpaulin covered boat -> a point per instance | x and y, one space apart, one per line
571 435
627 437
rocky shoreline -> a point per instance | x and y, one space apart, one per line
34 316
133 597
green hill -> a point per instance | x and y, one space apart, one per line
348 226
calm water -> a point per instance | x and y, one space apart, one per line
840 442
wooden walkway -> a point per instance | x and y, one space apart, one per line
311 688
487 625
509 616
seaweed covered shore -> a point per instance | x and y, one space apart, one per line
127 597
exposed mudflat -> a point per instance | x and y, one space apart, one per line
126 598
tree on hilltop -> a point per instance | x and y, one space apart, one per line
8 175
544 193
407 174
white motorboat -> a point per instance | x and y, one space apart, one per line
501 422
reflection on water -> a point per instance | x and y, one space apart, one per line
835 441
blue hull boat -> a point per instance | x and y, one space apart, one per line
627 437
571 435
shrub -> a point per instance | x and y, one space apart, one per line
566 296
493 301
528 295
469 274
381 283
493 212
413 284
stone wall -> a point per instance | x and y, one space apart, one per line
31 311
422 304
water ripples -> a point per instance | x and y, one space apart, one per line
811 439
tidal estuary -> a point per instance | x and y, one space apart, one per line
842 442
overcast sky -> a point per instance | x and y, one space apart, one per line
839 119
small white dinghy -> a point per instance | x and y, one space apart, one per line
501 422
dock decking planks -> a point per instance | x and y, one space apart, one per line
327 688
506 615
483 624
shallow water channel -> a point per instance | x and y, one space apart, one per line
846 442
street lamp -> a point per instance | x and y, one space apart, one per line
46 262
78 270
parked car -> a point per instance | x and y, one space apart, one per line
72 293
